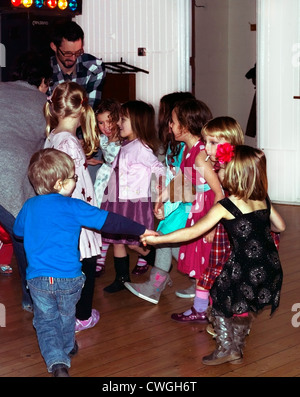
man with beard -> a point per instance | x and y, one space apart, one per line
70 62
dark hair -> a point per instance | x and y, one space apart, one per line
142 119
33 68
110 105
166 105
113 107
69 30
192 114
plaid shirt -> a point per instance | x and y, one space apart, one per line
90 74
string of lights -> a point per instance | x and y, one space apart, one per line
41 5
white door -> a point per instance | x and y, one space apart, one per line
278 68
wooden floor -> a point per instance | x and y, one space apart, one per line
135 338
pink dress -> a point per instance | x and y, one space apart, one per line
194 256
90 242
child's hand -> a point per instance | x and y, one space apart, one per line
149 232
93 161
159 211
209 237
149 239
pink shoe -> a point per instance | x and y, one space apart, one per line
81 325
194 317
140 269
100 269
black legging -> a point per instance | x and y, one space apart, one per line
84 305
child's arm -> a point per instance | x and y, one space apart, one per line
277 222
206 223
118 224
213 181
18 228
209 175
159 211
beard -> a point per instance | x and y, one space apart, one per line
68 63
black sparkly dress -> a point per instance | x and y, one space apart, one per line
252 277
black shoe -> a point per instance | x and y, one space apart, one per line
150 257
117 285
122 275
74 351
60 371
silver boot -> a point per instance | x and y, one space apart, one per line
241 328
226 350
151 289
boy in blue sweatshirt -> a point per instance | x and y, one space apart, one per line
50 225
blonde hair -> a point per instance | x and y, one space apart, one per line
224 127
46 167
246 174
70 99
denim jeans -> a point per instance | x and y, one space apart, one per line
7 221
54 303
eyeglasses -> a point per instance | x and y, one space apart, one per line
75 54
75 177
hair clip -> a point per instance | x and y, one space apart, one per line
84 101
225 153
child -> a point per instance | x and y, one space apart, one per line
129 188
68 109
173 215
252 277
50 224
193 257
217 131
107 116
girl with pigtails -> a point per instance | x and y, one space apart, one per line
65 111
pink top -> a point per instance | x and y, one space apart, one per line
90 242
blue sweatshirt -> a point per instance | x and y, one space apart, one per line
50 226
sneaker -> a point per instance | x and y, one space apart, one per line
187 293
81 325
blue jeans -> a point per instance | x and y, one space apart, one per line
7 220
54 303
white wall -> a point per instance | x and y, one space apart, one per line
115 29
225 51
